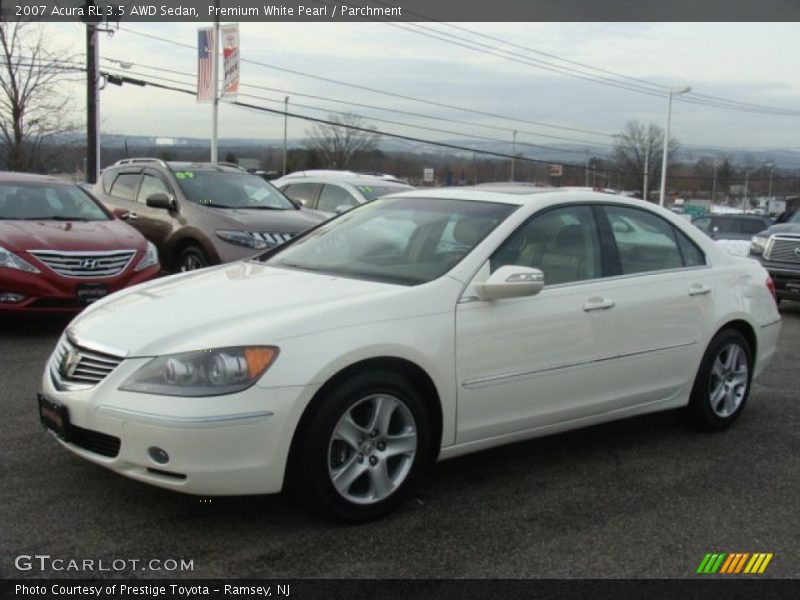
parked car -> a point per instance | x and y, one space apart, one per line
201 214
333 192
732 226
342 365
60 249
778 250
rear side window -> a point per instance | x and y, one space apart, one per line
645 242
303 193
753 226
125 186
727 225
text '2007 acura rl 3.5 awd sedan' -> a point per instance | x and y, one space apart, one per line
422 325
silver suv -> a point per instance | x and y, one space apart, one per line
200 214
333 192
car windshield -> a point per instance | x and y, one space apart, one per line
373 191
795 218
395 240
34 201
226 189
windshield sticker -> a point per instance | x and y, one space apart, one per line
184 174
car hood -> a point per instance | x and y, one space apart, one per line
269 221
790 228
234 304
69 235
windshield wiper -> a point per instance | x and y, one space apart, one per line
215 205
261 208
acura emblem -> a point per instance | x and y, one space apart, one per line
70 363
89 263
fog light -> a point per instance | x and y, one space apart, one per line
158 454
11 297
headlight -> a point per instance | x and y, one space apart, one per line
757 244
12 261
242 238
149 259
203 373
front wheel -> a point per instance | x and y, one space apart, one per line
365 446
191 258
723 382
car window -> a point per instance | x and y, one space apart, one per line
396 240
645 242
727 224
333 196
703 224
692 255
230 189
125 186
40 201
377 190
106 180
563 243
151 185
753 226
303 193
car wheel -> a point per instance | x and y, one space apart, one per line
365 446
191 258
723 382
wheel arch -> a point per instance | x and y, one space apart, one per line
190 238
412 371
749 333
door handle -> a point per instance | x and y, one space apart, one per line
698 289
132 216
598 304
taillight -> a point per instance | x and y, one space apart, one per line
771 288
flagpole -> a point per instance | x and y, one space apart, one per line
215 77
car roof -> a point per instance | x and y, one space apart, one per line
351 177
517 198
16 177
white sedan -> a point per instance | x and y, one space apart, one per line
421 326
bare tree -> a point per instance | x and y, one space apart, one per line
336 144
33 108
639 145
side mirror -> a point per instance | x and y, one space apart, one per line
300 201
121 213
511 281
160 200
343 208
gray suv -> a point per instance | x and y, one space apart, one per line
200 214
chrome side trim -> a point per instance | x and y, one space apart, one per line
178 421
771 323
488 380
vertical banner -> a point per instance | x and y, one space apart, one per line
230 61
205 65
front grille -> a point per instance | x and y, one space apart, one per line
94 441
784 249
273 239
86 264
78 365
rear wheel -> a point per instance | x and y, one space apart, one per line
723 382
191 258
365 446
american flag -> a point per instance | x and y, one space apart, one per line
205 65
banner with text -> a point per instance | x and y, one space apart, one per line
230 60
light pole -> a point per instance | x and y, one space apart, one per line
285 127
670 92
646 170
771 171
714 184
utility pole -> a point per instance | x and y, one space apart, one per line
646 170
586 171
513 155
714 184
92 108
215 77
285 129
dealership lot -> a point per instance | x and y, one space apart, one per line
645 497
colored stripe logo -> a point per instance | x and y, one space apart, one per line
734 563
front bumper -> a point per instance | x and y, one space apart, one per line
786 278
223 445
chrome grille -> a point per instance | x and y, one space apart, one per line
72 364
273 239
85 264
784 249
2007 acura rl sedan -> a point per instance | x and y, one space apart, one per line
423 325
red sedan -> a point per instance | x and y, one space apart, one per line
60 249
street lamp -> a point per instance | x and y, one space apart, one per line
285 126
513 155
670 93
771 171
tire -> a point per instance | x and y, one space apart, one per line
722 386
354 469
191 258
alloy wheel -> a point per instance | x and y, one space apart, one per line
728 382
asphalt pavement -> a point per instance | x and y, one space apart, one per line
644 497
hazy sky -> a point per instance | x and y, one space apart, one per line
757 63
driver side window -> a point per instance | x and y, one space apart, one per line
562 243
151 185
